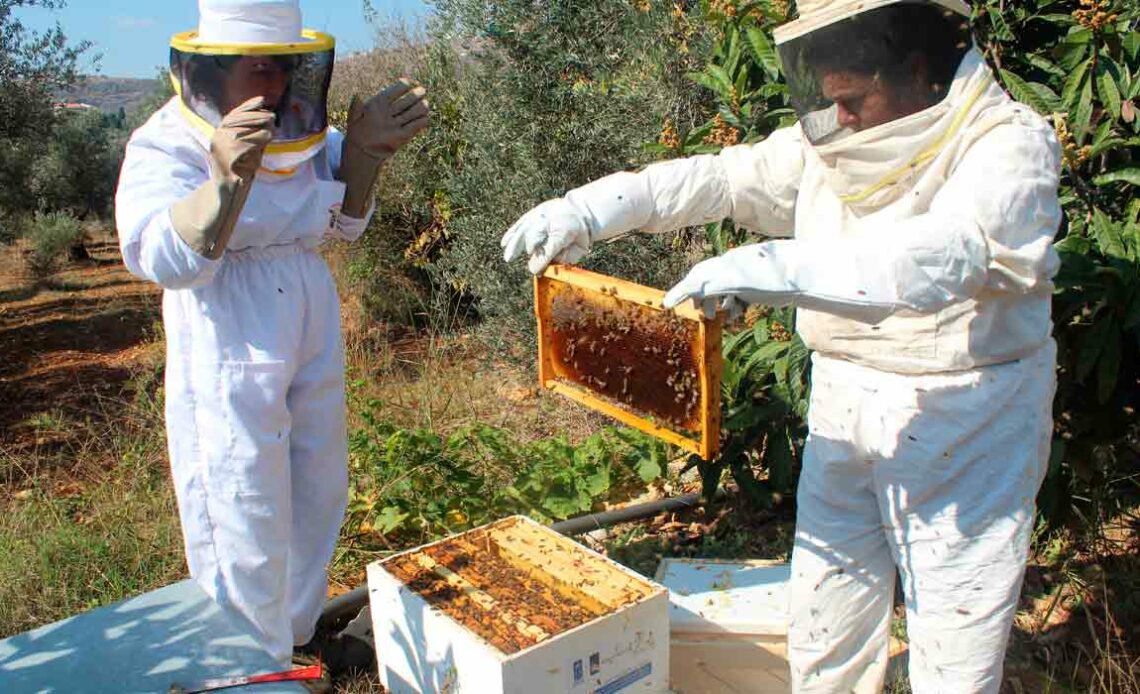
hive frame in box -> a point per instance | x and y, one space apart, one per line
710 362
421 648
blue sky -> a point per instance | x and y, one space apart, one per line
134 35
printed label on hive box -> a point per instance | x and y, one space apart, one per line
629 678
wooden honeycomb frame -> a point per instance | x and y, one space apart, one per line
705 439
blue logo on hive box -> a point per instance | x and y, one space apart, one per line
579 675
625 680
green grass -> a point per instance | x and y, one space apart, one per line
67 546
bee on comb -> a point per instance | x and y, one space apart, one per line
611 346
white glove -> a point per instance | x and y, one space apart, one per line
564 229
555 230
853 277
744 275
729 307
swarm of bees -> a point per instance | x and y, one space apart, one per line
637 356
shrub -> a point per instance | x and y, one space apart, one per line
411 485
52 235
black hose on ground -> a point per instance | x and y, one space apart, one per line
347 606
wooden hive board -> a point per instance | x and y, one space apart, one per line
610 345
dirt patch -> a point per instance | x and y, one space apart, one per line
71 343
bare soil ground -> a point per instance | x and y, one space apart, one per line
70 345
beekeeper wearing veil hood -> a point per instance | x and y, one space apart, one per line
225 195
918 204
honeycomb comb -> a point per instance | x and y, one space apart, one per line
609 344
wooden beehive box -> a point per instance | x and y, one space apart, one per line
728 626
515 607
728 623
611 346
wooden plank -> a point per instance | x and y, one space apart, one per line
541 302
563 561
481 598
533 564
710 367
620 289
592 401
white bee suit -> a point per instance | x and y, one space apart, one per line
255 406
926 300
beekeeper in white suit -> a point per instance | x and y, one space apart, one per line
225 195
921 203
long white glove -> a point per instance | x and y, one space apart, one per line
564 229
663 197
756 185
921 265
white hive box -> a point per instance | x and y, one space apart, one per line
514 607
729 626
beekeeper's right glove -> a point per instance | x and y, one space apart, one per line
565 229
205 219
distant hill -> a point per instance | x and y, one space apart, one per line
111 93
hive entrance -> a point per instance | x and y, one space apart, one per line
610 345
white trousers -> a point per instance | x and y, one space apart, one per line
255 418
934 476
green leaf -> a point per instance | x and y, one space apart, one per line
722 78
763 51
769 90
694 137
1045 65
1110 93
655 148
1079 35
760 332
1065 19
1108 235
1038 96
1105 140
389 519
1071 55
1078 246
798 356
779 457
598 482
709 81
733 61
1082 115
1131 44
766 354
731 118
741 83
650 465
702 149
1001 27
1129 175
1074 84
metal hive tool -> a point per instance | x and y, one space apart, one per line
610 345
